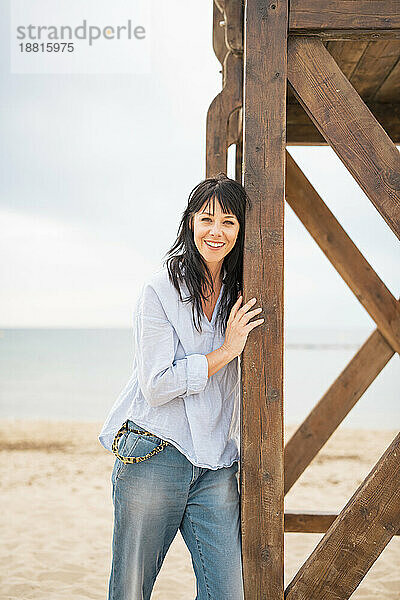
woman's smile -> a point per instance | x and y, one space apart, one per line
214 245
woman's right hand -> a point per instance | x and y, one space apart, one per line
238 326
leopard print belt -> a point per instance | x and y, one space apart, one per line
135 459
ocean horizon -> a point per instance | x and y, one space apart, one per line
77 374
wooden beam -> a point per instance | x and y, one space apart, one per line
343 394
222 115
361 35
308 521
356 538
343 254
390 88
235 136
301 131
239 160
239 149
234 126
233 11
303 521
334 406
347 54
348 15
219 45
220 109
265 54
347 124
374 66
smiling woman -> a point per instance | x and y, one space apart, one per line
211 234
176 425
215 235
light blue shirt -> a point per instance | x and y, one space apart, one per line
169 392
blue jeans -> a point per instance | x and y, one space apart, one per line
156 497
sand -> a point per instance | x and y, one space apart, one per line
57 514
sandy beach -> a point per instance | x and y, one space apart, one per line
57 513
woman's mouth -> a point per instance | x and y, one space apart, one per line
214 245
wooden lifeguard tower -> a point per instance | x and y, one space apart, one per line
309 73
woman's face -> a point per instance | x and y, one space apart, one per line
220 228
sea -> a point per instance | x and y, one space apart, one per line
77 374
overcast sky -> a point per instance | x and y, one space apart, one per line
96 171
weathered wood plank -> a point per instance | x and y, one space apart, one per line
374 66
239 149
301 131
234 11
344 14
343 394
219 44
235 136
303 521
308 521
347 54
219 111
390 88
343 254
265 54
335 405
234 126
222 127
239 160
356 538
347 124
360 35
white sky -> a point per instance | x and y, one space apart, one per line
96 171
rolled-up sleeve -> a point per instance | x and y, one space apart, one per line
161 377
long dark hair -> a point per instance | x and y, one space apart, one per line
185 263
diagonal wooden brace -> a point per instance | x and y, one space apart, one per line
343 254
357 536
347 124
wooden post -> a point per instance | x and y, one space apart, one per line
224 106
264 129
362 131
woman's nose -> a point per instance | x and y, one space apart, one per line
215 229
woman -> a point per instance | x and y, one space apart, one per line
175 428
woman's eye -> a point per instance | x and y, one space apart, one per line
229 222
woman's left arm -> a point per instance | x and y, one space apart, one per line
161 377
